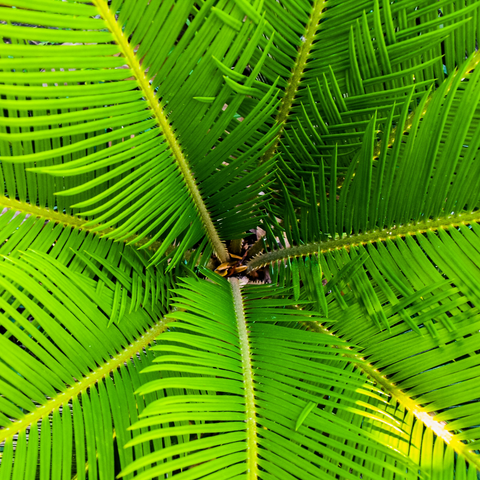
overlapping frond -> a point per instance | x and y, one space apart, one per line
385 38
75 312
137 132
370 201
81 437
412 307
424 440
88 258
420 298
428 444
269 390
341 61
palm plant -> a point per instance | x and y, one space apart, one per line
239 239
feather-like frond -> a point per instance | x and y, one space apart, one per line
413 213
67 378
267 386
142 158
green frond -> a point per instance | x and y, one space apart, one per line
85 257
425 440
424 288
66 371
339 62
411 308
138 159
260 375
369 202
64 366
433 453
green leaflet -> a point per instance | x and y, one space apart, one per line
304 414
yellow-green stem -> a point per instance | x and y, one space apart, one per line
415 409
97 375
361 239
63 219
297 74
250 410
149 94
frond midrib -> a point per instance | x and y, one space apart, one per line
250 410
420 413
353 241
157 112
296 76
66 220
83 385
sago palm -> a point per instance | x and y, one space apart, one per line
240 239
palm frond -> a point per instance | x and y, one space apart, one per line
418 285
264 387
339 62
131 158
61 289
86 257
426 441
371 202
424 288
66 373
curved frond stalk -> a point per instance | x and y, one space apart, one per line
103 371
158 113
438 428
43 213
64 219
353 241
250 409
266 387
296 74
71 367
343 82
423 352
373 203
118 266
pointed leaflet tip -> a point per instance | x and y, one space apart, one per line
304 413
